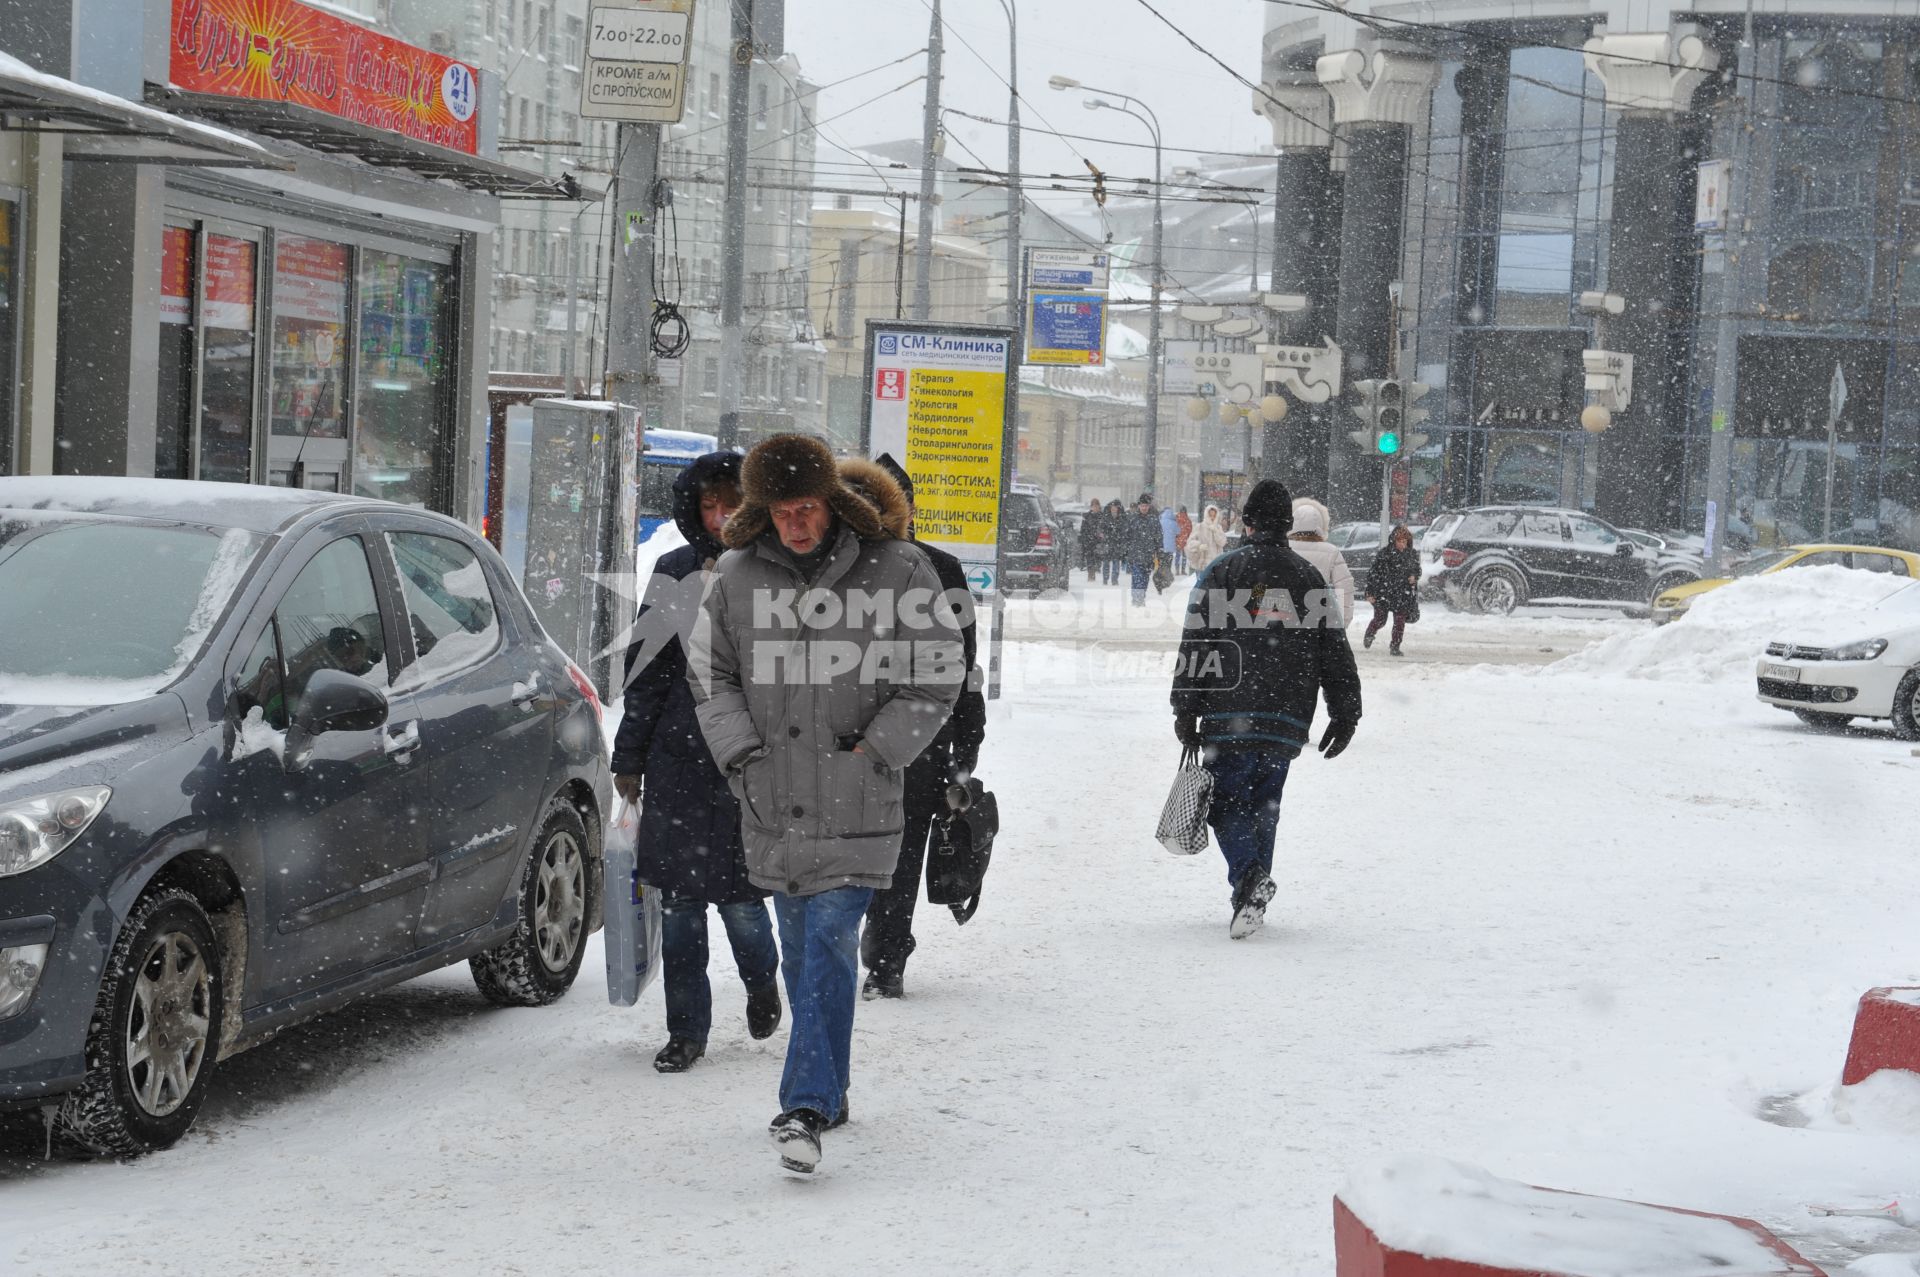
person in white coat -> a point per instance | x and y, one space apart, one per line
1309 540
1208 542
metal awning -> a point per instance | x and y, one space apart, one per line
379 147
100 126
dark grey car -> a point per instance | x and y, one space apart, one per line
261 752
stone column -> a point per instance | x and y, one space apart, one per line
1306 248
1650 80
1482 84
1378 98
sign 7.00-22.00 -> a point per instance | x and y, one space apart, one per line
637 35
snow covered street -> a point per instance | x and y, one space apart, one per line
1583 930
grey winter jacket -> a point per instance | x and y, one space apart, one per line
777 705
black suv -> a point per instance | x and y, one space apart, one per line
1033 543
1498 558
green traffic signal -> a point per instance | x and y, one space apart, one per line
1388 443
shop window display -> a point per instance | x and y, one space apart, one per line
402 374
308 421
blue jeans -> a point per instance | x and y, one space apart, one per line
1245 811
1109 571
1142 577
683 951
820 960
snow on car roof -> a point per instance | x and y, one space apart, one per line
227 505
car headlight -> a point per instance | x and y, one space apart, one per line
1867 651
35 830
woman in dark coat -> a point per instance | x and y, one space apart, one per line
1093 541
1393 586
690 847
1113 534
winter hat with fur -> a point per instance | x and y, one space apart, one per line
1310 516
873 481
1269 508
795 468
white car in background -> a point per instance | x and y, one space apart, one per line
1864 666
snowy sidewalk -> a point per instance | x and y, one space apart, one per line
1576 930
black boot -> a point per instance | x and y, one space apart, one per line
883 984
797 1135
763 1011
1250 900
678 1055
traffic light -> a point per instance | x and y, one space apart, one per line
1387 410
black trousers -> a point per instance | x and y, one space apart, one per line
888 940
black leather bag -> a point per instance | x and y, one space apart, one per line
961 849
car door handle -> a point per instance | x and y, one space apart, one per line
404 741
525 694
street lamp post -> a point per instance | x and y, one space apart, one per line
1145 115
1016 277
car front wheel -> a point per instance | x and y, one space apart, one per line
155 1032
1497 590
1906 707
537 964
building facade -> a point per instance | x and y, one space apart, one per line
306 304
1740 183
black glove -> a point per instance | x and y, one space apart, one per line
1186 727
1339 736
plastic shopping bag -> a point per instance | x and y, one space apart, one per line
1183 821
631 912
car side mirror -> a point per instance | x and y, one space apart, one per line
335 701
1624 550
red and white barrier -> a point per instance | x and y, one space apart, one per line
1425 1217
1886 1034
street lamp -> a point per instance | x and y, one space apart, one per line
1143 113
1016 278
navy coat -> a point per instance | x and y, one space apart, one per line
689 820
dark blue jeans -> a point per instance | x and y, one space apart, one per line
1245 811
820 960
1142 577
683 951
1109 571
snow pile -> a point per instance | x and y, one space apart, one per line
1884 1103
1443 1210
1726 629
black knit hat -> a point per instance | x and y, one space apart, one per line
899 472
1269 508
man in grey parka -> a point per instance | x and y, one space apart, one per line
825 662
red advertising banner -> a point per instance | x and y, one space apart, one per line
284 51
176 275
230 283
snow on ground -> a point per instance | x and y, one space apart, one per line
1590 932
1726 629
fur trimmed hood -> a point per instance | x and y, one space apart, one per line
1311 516
793 468
882 491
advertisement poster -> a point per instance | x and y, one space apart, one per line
230 283
309 337
937 401
284 51
176 275
1067 328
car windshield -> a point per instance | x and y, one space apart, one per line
99 611
1761 562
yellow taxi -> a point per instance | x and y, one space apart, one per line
1672 604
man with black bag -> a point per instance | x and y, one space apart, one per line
1264 640
937 781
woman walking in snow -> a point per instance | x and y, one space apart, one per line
1208 541
1093 541
1113 544
1309 541
1393 587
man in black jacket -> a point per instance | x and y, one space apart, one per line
948 761
1263 642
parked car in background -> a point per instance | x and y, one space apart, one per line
1071 522
1671 604
1830 672
1676 562
1033 543
1360 542
1498 558
263 751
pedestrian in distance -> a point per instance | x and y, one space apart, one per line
1169 537
689 835
1181 538
1262 645
1393 587
949 761
1309 538
1142 550
1113 567
825 661
1208 541
1093 541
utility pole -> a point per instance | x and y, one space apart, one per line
923 251
733 250
1737 273
630 340
1016 274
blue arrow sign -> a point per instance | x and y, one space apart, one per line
981 579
